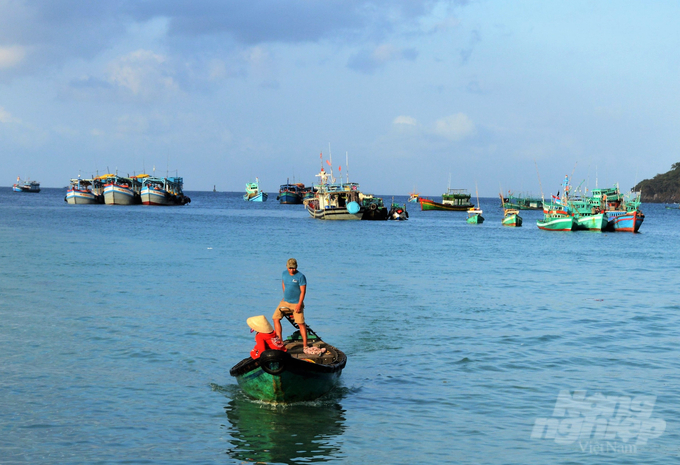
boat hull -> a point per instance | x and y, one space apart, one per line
557 224
427 204
31 189
77 197
290 198
278 377
625 221
512 220
261 197
119 195
475 219
161 198
339 213
597 222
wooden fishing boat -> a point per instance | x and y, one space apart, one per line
163 191
26 186
556 218
457 198
521 202
397 212
511 218
291 376
119 190
84 192
427 204
475 216
254 193
292 193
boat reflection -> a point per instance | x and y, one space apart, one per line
307 432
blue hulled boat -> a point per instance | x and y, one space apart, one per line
254 193
26 186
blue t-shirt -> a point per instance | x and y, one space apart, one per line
292 286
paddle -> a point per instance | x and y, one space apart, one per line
296 326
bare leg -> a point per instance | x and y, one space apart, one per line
277 328
303 333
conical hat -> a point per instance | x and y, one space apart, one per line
260 324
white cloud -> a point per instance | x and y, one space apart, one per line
454 127
143 73
11 56
6 117
405 120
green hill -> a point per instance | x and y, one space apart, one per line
662 188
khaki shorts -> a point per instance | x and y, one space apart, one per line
286 308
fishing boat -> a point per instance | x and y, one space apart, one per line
428 204
291 376
413 196
623 210
291 193
254 193
84 192
475 216
511 218
162 191
556 217
119 190
343 201
475 213
26 186
397 212
510 215
521 202
458 198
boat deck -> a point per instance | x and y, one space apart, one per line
295 350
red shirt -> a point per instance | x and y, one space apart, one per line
264 341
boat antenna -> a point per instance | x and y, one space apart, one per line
477 192
330 159
347 166
539 181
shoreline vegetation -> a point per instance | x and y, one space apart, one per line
662 188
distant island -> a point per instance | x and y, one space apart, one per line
662 188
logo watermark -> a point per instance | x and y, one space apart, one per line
601 424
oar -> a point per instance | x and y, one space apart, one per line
296 326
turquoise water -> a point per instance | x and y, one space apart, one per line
118 326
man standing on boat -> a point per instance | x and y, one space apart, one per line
294 286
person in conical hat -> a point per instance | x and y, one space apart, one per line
265 338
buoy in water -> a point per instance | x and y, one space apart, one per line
353 208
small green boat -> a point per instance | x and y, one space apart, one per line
510 214
511 218
556 220
475 216
291 376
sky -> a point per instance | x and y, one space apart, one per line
404 95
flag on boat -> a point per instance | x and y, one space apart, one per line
329 163
339 168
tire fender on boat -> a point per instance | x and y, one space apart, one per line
270 358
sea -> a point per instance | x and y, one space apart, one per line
466 344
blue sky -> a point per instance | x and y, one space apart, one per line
411 92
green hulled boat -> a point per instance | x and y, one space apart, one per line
511 218
522 202
291 376
510 215
556 217
475 216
